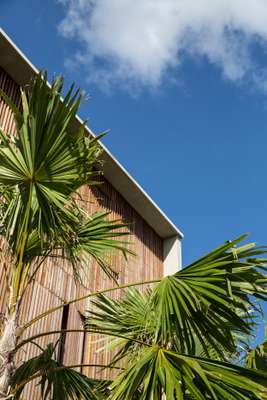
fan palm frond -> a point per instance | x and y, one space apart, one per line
130 317
159 371
41 169
206 309
46 162
95 237
205 299
55 381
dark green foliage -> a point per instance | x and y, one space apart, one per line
55 381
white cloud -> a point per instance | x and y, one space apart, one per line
144 41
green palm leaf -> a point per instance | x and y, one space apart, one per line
56 382
205 299
46 162
207 308
158 371
95 237
131 318
41 169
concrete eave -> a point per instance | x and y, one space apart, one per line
15 63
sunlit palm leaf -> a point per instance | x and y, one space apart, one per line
206 308
41 169
159 371
204 300
131 318
134 320
95 237
45 163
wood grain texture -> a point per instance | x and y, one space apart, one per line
54 283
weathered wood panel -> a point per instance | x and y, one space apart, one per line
54 283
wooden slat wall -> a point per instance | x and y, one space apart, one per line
54 282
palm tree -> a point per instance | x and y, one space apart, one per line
41 170
177 340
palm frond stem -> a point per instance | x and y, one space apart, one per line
61 368
95 331
93 294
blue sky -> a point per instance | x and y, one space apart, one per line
189 123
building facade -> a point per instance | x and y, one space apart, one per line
154 239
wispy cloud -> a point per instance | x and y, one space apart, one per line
143 42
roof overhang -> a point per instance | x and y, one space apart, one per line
15 63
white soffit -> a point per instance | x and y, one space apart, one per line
15 63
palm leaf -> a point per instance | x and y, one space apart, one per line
158 371
95 237
46 162
131 318
41 168
207 308
204 300
204 309
55 381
